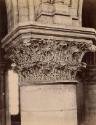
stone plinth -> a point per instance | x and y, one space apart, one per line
48 104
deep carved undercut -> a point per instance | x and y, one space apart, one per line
48 59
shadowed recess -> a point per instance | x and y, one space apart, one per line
89 13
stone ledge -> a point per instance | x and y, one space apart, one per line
52 30
65 82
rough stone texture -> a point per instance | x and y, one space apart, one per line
46 59
48 104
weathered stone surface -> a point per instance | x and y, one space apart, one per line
48 59
19 12
69 12
48 104
59 12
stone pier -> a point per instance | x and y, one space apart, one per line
49 104
47 59
46 43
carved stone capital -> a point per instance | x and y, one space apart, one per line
48 53
48 59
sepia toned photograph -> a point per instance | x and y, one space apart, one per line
47 62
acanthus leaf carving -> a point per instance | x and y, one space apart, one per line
48 59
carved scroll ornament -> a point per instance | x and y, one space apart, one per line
48 59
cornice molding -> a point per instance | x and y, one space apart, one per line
34 28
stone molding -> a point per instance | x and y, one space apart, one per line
61 31
43 55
